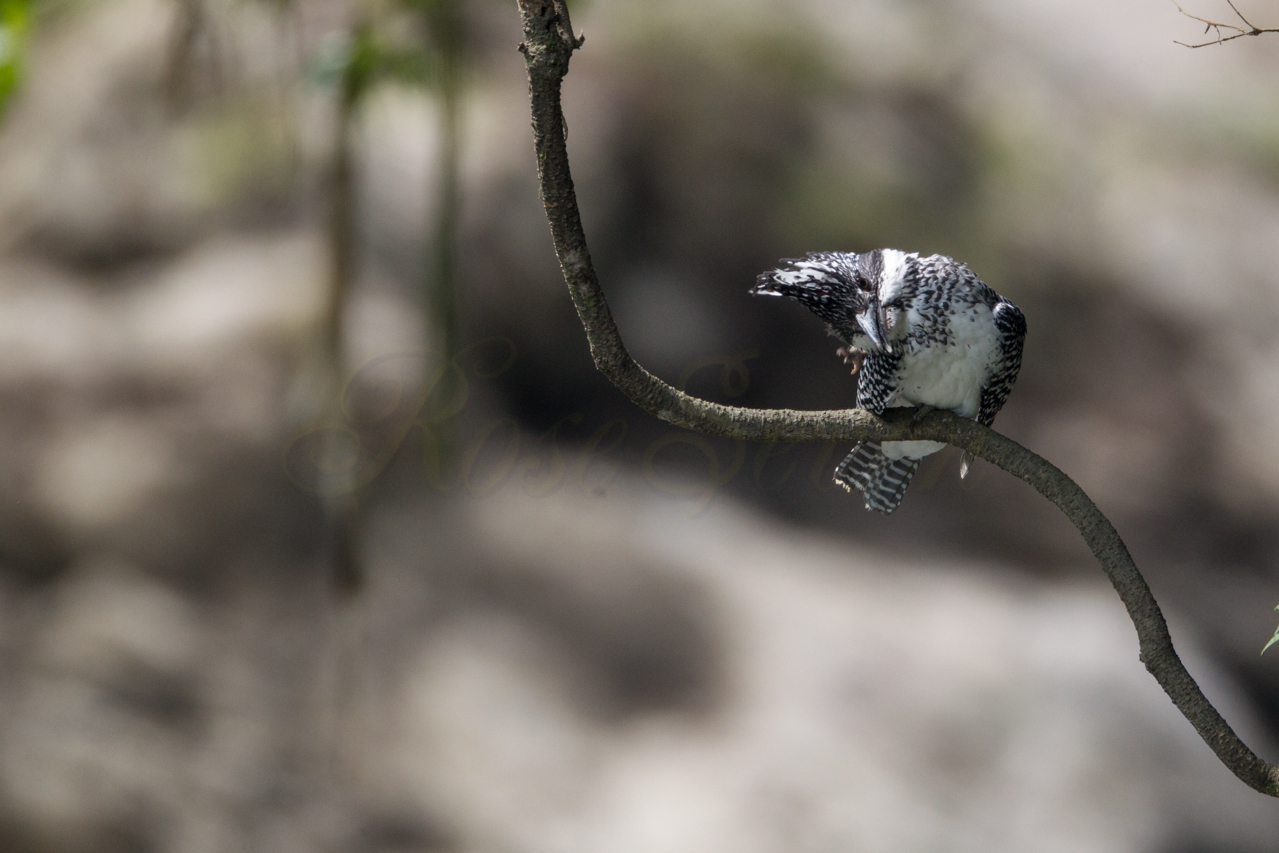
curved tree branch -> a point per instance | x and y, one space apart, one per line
548 44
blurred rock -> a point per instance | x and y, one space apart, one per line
858 702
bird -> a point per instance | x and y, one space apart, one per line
919 331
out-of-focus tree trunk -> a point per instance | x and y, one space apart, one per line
444 21
343 506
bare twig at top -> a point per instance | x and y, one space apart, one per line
1236 31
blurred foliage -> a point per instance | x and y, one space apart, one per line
379 50
443 23
241 149
366 57
15 19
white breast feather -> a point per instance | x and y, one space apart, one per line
947 377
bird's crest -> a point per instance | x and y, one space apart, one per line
833 285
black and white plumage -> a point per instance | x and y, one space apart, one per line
924 332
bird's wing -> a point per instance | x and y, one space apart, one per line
1011 326
878 380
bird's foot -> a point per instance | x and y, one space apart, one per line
920 413
852 356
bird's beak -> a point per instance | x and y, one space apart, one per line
873 325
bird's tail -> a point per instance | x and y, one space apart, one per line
882 481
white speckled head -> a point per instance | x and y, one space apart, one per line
894 275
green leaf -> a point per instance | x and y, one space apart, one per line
15 16
1273 640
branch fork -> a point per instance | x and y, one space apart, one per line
1248 28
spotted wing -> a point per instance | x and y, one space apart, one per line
826 283
878 380
1011 325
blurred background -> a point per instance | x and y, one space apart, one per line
319 531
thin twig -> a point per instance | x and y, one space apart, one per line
548 45
1239 32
